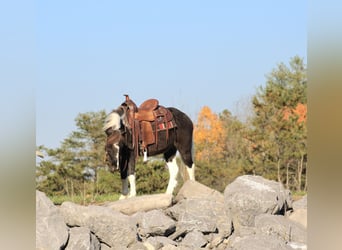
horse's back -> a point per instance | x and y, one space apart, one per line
181 119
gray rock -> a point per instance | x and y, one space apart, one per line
301 203
137 246
110 226
154 223
281 227
194 240
105 247
258 242
141 203
51 230
193 189
300 216
297 246
160 241
171 247
82 239
206 216
249 196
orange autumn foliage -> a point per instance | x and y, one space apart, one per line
300 111
208 135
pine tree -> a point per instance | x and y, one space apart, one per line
279 126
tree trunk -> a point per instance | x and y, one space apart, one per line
287 175
278 167
300 170
306 177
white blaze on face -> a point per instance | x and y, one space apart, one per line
116 150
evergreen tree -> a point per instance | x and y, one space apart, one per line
278 135
73 168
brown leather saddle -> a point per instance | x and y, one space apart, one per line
147 121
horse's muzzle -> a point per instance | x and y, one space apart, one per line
111 163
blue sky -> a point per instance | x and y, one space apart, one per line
187 54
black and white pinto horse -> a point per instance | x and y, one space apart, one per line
121 155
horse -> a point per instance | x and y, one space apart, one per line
148 130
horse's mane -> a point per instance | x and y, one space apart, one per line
112 121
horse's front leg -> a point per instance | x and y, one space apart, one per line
125 193
124 188
131 179
128 177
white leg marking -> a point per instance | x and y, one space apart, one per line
124 189
173 171
131 179
191 172
145 156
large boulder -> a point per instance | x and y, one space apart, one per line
82 239
194 240
300 211
301 203
110 226
141 203
155 223
195 190
51 230
249 196
281 227
258 242
206 216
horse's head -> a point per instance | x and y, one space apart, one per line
113 128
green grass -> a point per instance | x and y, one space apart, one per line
296 195
85 200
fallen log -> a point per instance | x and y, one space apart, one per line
141 203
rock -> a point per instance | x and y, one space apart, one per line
300 212
141 203
137 246
206 216
297 246
258 242
171 247
160 241
300 216
249 196
301 203
105 247
111 227
51 230
154 223
251 214
194 240
82 239
281 227
193 189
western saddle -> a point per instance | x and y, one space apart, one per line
146 122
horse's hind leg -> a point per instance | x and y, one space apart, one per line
186 155
173 171
171 162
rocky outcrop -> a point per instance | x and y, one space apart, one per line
249 196
51 230
253 213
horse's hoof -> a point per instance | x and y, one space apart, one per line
123 197
132 195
